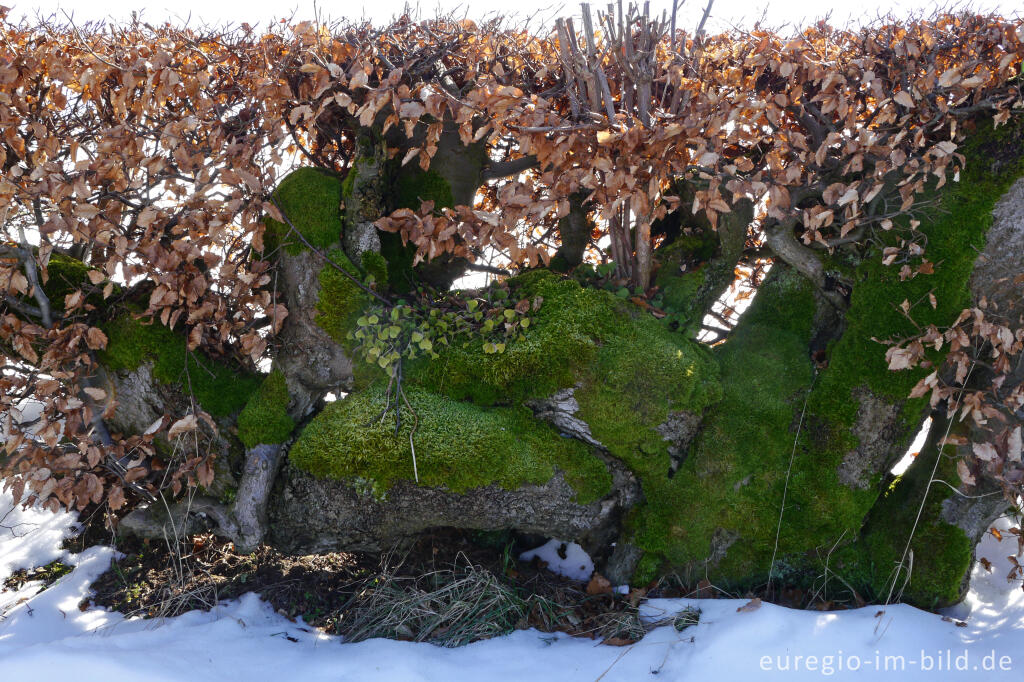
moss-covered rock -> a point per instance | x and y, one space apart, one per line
629 370
459 446
736 469
265 417
221 389
574 328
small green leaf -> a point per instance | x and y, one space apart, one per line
510 314
416 337
525 322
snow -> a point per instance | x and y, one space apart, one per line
46 635
577 564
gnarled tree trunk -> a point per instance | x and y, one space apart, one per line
758 460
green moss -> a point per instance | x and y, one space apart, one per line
734 467
579 337
562 342
415 186
559 264
941 552
573 329
311 200
348 185
955 234
339 301
376 266
459 446
738 468
690 277
220 389
265 417
66 275
647 569
627 395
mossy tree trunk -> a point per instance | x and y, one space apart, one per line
756 461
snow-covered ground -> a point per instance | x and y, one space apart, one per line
45 636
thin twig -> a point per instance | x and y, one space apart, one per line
789 470
415 423
924 498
